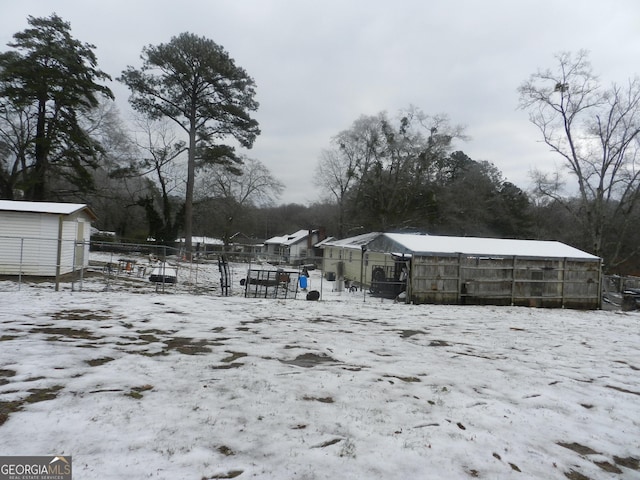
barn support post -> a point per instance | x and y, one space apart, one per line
59 255
409 285
462 299
513 280
564 279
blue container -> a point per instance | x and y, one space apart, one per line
303 282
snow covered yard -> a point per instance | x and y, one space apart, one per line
145 385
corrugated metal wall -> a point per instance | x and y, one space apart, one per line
524 281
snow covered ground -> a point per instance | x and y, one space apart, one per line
138 384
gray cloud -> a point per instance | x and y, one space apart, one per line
320 65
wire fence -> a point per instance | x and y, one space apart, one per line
42 260
621 292
66 264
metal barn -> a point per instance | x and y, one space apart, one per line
43 238
468 270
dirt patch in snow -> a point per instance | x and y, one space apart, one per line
308 360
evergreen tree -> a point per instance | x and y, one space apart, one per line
192 81
47 83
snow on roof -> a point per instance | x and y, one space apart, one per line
296 237
325 241
353 242
44 207
276 240
290 239
486 246
204 240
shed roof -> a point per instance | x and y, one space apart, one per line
424 244
45 207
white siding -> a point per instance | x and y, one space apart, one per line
298 251
339 259
29 243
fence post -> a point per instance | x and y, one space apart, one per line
363 252
73 266
59 256
85 250
21 259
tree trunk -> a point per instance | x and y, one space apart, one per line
37 185
188 202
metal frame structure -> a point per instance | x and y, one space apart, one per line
271 283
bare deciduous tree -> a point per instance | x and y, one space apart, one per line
596 131
160 150
383 171
335 174
255 186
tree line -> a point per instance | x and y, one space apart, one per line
405 174
175 170
58 134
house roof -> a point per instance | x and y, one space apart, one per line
204 240
290 239
45 207
244 239
424 244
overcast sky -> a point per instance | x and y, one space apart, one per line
319 65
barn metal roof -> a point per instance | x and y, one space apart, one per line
353 242
44 207
424 244
417 244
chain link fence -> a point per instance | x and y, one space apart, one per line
620 292
70 265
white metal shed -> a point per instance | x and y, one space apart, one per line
44 238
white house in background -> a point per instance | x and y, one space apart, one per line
43 238
202 245
295 247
